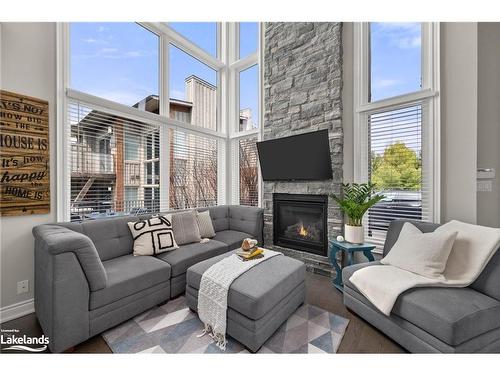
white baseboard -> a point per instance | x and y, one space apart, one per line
16 310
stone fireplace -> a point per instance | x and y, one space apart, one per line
303 93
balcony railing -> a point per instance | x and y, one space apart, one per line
84 161
132 173
91 210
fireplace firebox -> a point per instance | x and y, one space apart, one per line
300 222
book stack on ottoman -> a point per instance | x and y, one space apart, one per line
259 301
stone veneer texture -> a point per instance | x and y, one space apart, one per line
303 92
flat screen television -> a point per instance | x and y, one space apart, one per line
299 157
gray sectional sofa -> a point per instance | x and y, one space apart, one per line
442 320
87 280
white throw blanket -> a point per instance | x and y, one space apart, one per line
472 250
214 287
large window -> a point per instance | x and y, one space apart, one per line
150 114
193 170
248 38
396 122
193 90
203 34
115 61
249 98
395 59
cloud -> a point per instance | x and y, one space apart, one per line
94 41
384 83
403 35
409 43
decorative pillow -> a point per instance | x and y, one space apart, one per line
185 227
425 254
205 224
153 236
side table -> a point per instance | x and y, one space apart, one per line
350 249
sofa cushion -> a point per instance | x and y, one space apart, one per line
489 280
257 291
453 315
245 219
153 236
186 229
205 223
421 253
127 275
231 238
187 255
111 236
396 226
220 217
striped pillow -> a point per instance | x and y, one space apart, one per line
205 224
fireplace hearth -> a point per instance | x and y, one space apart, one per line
300 222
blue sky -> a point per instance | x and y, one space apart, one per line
395 59
119 61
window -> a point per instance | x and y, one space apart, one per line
249 98
203 34
395 59
193 170
128 152
394 138
249 38
248 171
108 156
115 61
193 90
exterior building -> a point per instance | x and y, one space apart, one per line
116 161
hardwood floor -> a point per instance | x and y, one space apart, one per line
360 337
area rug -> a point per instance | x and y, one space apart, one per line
173 328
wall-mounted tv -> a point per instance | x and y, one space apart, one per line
299 157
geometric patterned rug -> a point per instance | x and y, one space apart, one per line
172 328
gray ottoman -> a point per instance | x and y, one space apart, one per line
259 301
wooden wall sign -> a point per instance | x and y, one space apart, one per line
24 155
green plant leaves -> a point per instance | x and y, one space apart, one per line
356 200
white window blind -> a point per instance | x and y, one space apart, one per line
113 164
193 170
248 172
395 165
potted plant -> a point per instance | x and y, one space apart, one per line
356 200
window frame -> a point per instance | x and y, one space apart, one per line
428 96
225 64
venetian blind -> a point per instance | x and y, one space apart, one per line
193 170
248 172
397 169
114 164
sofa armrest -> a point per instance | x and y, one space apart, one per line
247 219
58 240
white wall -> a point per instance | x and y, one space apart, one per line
458 121
488 120
28 66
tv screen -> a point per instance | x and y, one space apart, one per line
299 157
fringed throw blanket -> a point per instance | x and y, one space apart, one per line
214 287
471 252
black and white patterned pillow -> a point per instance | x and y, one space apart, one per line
153 236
